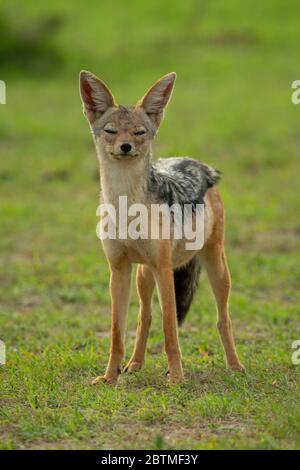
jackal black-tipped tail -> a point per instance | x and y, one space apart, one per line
186 280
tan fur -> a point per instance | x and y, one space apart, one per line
159 268
214 258
156 258
145 283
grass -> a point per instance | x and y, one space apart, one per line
232 109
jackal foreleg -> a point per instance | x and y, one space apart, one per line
165 283
145 284
119 291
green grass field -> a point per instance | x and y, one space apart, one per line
232 109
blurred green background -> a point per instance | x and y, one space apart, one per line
232 109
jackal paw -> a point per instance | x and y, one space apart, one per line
105 379
175 378
133 366
237 367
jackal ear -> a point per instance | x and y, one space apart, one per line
95 95
157 98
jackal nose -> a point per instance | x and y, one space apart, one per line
125 148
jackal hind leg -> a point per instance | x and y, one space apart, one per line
219 277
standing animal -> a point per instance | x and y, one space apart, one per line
123 138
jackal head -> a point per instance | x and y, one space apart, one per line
124 133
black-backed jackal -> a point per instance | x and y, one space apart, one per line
123 138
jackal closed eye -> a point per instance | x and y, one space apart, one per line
140 132
110 131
